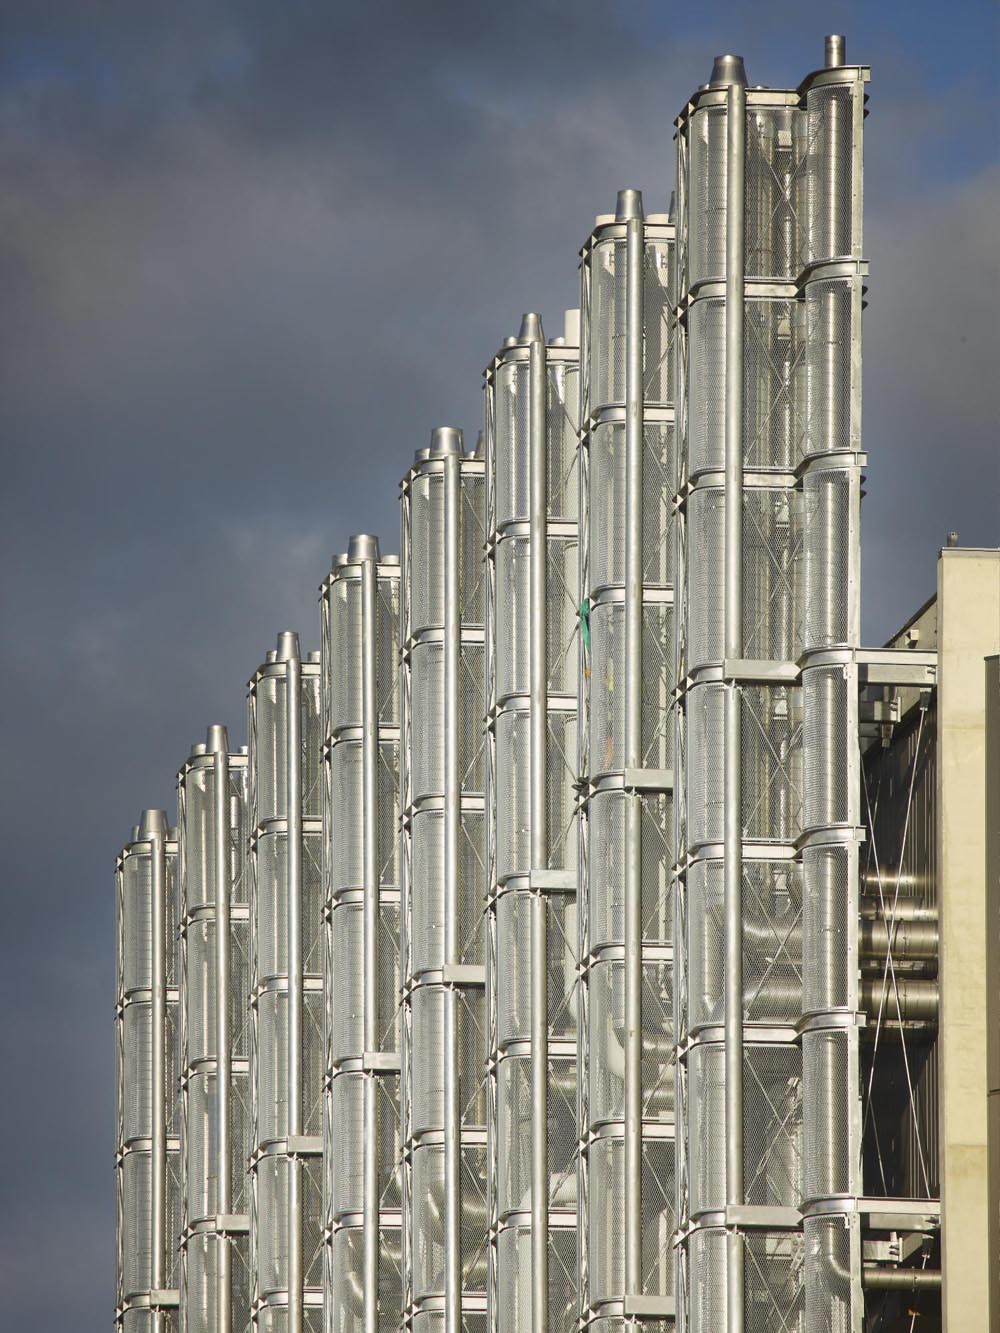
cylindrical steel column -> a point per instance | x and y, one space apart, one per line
732 831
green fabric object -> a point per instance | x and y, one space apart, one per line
585 623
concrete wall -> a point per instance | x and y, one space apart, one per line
968 632
993 974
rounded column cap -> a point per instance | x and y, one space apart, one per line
153 823
288 647
445 441
726 70
628 205
363 546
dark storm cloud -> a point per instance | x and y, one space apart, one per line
250 253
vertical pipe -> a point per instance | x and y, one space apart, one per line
369 763
452 820
537 538
158 1165
223 1045
633 747
732 829
293 794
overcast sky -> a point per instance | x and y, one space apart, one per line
250 253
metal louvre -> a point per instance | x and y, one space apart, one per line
360 1123
286 1050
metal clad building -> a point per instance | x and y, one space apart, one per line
770 277
286 1070
626 1085
215 1027
147 1161
360 613
532 502
640 985
444 886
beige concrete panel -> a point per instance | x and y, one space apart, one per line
969 631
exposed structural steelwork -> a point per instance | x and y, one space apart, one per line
286 991
770 290
444 890
532 652
616 973
627 456
147 1161
215 1028
360 614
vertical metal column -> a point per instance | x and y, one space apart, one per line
288 651
218 739
147 1164
211 795
631 208
452 817
538 782
158 1166
532 539
287 990
443 990
626 947
733 598
360 637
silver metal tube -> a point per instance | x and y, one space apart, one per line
158 1165
876 1278
370 909
633 750
293 815
223 1042
835 51
732 830
452 826
537 536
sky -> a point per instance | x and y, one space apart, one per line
250 254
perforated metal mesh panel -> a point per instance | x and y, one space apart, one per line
435 1014
139 969
270 1062
796 746
361 1115
512 622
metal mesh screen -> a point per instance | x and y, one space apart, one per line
562 483
607 314
426 591
829 1072
828 525
828 874
830 169
773 1297
827 743
705 601
706 385
771 751
512 626
707 194
775 174
832 1261
829 319
512 426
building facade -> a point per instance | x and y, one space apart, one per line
592 937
